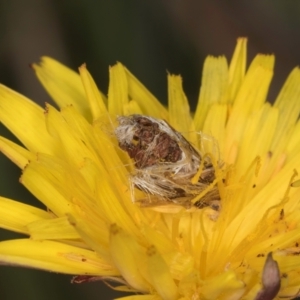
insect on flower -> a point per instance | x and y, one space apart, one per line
166 164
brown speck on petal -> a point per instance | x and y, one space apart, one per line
270 280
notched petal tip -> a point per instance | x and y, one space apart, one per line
270 280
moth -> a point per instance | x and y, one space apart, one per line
165 163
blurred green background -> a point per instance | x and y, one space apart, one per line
151 38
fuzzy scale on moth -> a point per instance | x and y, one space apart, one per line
166 163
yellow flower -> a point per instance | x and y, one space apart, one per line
72 163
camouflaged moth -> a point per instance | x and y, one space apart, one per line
165 163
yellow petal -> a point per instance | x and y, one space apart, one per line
63 85
97 100
54 257
237 68
260 130
72 147
40 182
17 154
29 127
94 234
133 108
118 90
281 241
226 282
215 124
55 229
294 141
114 211
253 91
250 98
129 258
146 101
179 109
289 105
15 216
288 264
214 87
158 240
115 160
160 276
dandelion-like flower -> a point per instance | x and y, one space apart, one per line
100 222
